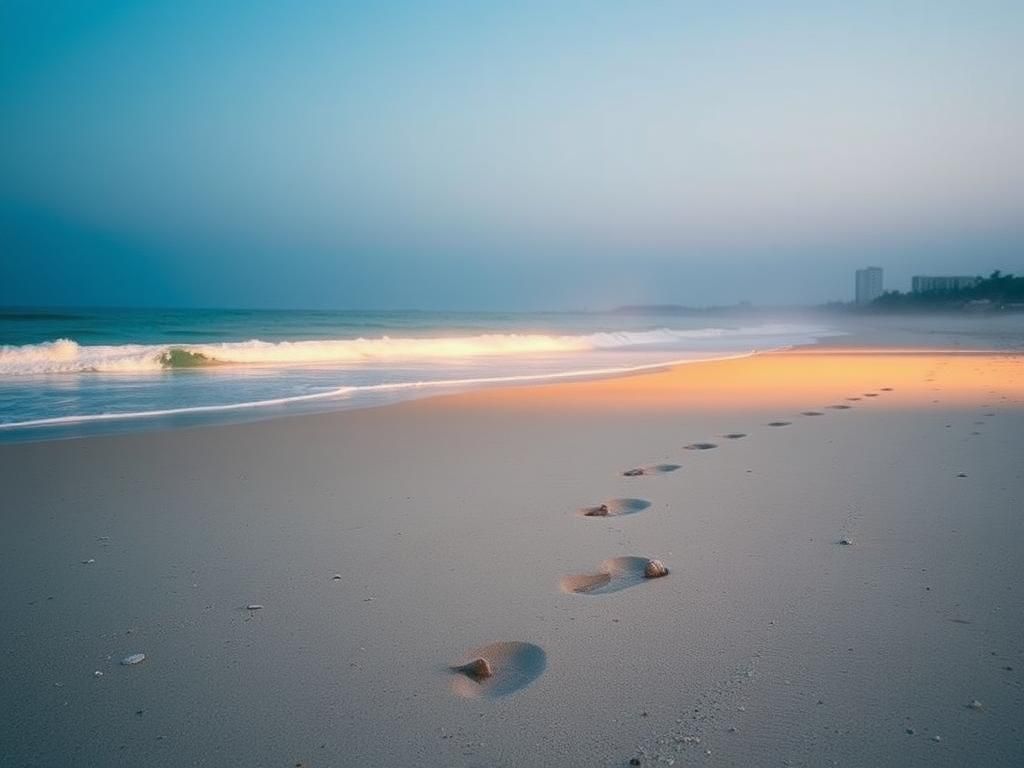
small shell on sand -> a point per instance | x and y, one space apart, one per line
336 577
975 704
601 510
655 569
90 561
477 669
253 607
135 658
846 542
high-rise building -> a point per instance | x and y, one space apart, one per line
869 284
925 283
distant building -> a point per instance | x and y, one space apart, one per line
926 283
869 284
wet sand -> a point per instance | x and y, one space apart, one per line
386 546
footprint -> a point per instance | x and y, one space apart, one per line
853 399
840 407
870 394
811 413
887 389
507 667
700 446
779 423
735 435
653 469
615 508
614 575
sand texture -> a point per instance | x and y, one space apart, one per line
301 588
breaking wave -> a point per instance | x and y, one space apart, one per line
67 356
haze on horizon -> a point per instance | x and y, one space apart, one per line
469 156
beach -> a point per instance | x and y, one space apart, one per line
302 586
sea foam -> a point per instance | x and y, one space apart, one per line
67 356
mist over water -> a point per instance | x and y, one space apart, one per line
70 372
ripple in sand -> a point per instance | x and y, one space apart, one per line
615 508
613 575
735 435
653 469
811 413
512 665
700 446
779 423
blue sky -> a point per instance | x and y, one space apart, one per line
513 155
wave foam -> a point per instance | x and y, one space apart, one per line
67 356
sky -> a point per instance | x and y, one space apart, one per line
452 155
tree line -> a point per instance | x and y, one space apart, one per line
996 289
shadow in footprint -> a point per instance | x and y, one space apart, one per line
735 435
700 446
840 407
614 575
511 666
779 423
887 389
870 394
653 469
615 508
811 413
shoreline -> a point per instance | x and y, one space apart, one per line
77 427
457 385
898 334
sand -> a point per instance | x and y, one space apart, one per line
455 526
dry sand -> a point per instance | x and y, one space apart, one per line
453 524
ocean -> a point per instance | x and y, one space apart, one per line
68 372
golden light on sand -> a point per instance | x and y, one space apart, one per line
799 380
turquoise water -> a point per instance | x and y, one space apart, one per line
67 372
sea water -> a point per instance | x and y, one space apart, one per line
66 372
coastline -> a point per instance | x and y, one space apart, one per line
453 521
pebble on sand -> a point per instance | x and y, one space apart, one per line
601 510
975 704
254 607
135 658
90 561
97 673
336 577
655 569
477 669
633 472
846 542
936 737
